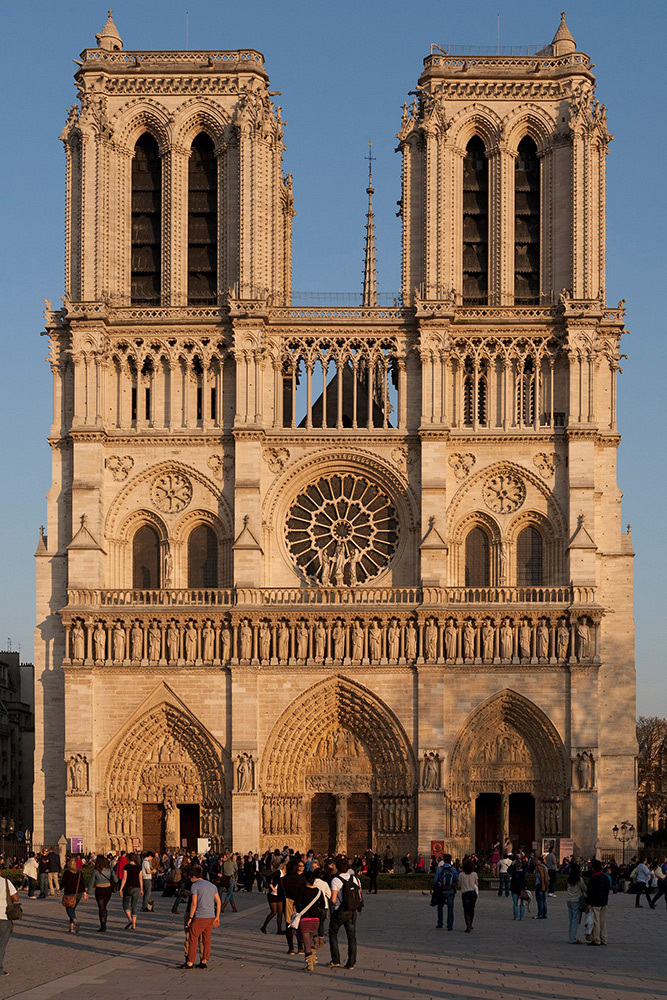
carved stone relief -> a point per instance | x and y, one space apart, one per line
431 771
276 458
119 466
504 492
583 770
171 492
220 466
545 464
461 463
245 772
77 774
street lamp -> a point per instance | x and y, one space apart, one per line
625 834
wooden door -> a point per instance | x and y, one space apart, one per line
487 821
153 826
323 823
359 824
522 820
189 815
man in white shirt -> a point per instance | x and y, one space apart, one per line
344 914
504 876
6 888
147 872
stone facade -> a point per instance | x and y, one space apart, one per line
333 576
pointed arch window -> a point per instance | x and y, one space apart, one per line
202 557
146 263
477 558
146 559
526 390
529 558
475 392
202 222
527 224
475 224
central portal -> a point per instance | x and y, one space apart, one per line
323 823
487 821
522 820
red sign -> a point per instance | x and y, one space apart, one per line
437 848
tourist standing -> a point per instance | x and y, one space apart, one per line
597 897
308 918
43 867
205 908
31 872
518 888
131 890
228 881
346 903
289 889
147 872
100 882
541 889
576 900
661 873
469 886
74 888
445 883
373 869
7 890
643 883
276 904
503 875
552 870
54 872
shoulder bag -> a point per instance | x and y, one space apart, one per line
583 903
296 917
69 902
14 910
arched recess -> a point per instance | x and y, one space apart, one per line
339 739
552 567
477 519
507 746
163 759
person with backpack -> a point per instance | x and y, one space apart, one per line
346 903
445 884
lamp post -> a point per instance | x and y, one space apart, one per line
625 834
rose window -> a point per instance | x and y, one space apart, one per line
171 492
341 531
504 493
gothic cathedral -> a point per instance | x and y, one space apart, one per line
334 577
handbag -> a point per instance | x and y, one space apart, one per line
14 911
588 924
69 901
296 917
583 903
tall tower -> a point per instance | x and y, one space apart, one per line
333 577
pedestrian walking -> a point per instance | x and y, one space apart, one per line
276 904
147 873
518 888
306 921
131 890
504 865
542 880
373 869
53 860
661 873
643 884
324 903
101 883
576 901
445 884
469 886
228 881
31 872
74 888
597 897
346 904
8 894
205 909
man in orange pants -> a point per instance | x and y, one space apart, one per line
204 916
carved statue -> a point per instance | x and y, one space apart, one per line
137 642
339 564
118 642
524 640
302 641
283 642
430 772
469 641
78 642
450 640
338 635
562 640
374 641
173 642
542 640
244 773
264 642
100 642
431 640
357 641
208 642
168 569
225 643
320 641
503 564
154 642
325 568
488 633
191 643
584 769
355 560
584 638
393 635
410 640
506 640
246 640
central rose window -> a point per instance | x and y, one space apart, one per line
341 531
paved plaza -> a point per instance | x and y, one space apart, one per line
401 955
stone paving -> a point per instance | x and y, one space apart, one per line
401 955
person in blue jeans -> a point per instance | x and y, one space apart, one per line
541 889
445 883
517 887
503 875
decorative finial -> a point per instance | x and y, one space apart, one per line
370 289
108 38
563 42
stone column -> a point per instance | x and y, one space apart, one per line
341 824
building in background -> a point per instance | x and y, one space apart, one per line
334 576
17 741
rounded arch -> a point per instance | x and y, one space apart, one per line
546 769
139 116
332 703
528 120
477 120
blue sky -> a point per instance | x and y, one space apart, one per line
344 70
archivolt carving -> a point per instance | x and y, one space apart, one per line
528 119
200 115
142 115
481 121
508 469
338 715
508 740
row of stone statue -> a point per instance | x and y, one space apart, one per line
394 815
358 641
282 814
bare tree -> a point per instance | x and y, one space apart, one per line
652 772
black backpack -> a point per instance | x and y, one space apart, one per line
446 880
352 900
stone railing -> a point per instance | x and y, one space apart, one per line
210 59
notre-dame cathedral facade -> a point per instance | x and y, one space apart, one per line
334 576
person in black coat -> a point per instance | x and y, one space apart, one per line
597 898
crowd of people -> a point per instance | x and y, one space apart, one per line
305 891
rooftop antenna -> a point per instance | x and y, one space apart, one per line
498 34
370 294
187 28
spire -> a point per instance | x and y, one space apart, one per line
108 37
370 296
563 42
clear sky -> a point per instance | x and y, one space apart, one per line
344 70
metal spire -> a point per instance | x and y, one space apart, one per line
370 295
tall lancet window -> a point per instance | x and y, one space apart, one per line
527 225
146 222
202 223
475 224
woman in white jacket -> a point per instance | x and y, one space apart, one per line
31 872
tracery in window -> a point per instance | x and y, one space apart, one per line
202 222
146 222
527 224
475 224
